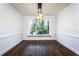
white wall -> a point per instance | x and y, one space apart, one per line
26 25
68 27
10 27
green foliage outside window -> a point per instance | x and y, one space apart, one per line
40 28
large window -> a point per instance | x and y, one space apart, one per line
39 27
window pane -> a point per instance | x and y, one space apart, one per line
40 27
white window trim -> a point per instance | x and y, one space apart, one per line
39 35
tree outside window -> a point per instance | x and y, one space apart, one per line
40 27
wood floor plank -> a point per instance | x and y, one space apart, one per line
39 48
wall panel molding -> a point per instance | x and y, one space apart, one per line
8 48
9 41
68 41
8 35
26 37
68 34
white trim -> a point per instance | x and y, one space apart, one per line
69 47
40 35
39 39
51 37
7 35
69 35
2 52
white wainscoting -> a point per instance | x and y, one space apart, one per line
9 41
50 37
70 41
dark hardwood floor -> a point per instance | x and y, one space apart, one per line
39 48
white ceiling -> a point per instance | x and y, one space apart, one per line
30 9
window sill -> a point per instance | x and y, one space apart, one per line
39 35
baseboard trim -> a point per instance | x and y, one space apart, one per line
72 49
4 51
